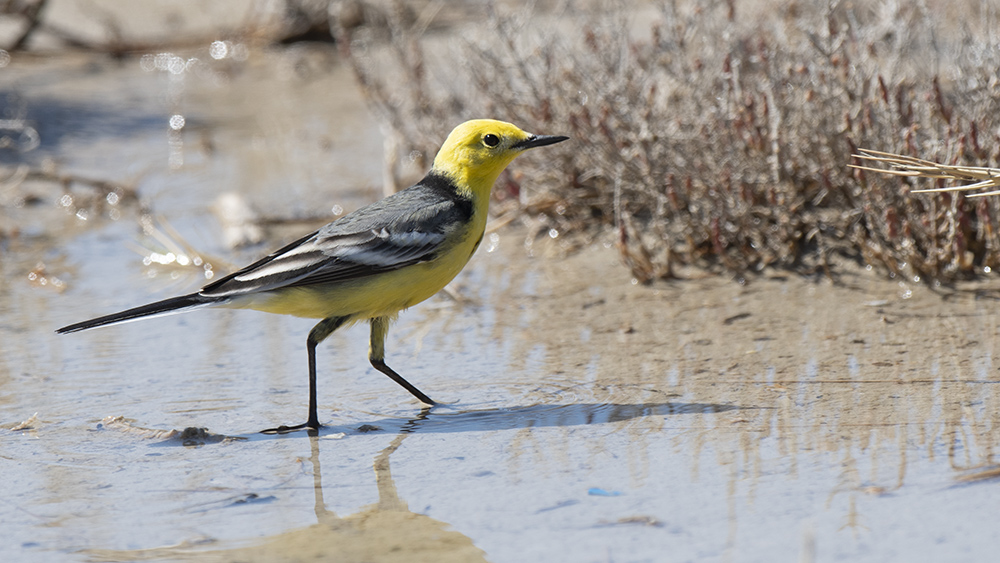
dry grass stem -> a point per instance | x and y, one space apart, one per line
903 165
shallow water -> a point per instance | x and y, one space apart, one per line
585 418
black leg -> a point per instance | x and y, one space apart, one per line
380 365
319 333
376 355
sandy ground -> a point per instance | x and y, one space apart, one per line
586 418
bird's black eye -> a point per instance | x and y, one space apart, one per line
491 140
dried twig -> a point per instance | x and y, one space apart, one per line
902 165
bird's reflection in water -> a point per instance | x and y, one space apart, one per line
383 532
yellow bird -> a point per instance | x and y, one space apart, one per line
372 263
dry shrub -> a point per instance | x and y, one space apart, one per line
719 137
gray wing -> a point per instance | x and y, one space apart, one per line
403 229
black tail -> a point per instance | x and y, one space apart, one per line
165 307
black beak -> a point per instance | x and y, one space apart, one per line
538 141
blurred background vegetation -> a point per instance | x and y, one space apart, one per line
706 135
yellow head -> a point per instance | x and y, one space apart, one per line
477 151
